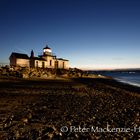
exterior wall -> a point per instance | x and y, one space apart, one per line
32 63
39 63
66 64
22 62
60 64
50 61
63 64
12 61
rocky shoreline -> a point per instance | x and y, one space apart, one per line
71 108
42 73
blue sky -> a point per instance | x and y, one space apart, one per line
92 34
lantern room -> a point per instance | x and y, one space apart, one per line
47 50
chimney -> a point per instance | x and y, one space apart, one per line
32 54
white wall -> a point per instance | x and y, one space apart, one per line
66 64
40 63
48 59
63 64
22 62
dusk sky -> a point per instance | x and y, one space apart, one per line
92 34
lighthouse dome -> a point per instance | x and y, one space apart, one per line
47 50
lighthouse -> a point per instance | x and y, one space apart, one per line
47 51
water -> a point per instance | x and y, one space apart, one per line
130 77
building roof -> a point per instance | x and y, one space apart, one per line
62 59
38 58
47 47
47 55
20 55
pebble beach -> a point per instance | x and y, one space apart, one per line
68 109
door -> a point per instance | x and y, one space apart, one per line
56 64
43 64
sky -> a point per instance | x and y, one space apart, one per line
91 34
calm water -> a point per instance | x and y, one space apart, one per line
132 77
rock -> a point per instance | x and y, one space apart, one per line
25 75
24 120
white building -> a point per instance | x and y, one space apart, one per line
46 60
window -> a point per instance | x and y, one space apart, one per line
37 64
50 62
43 64
63 65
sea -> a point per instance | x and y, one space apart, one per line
129 77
